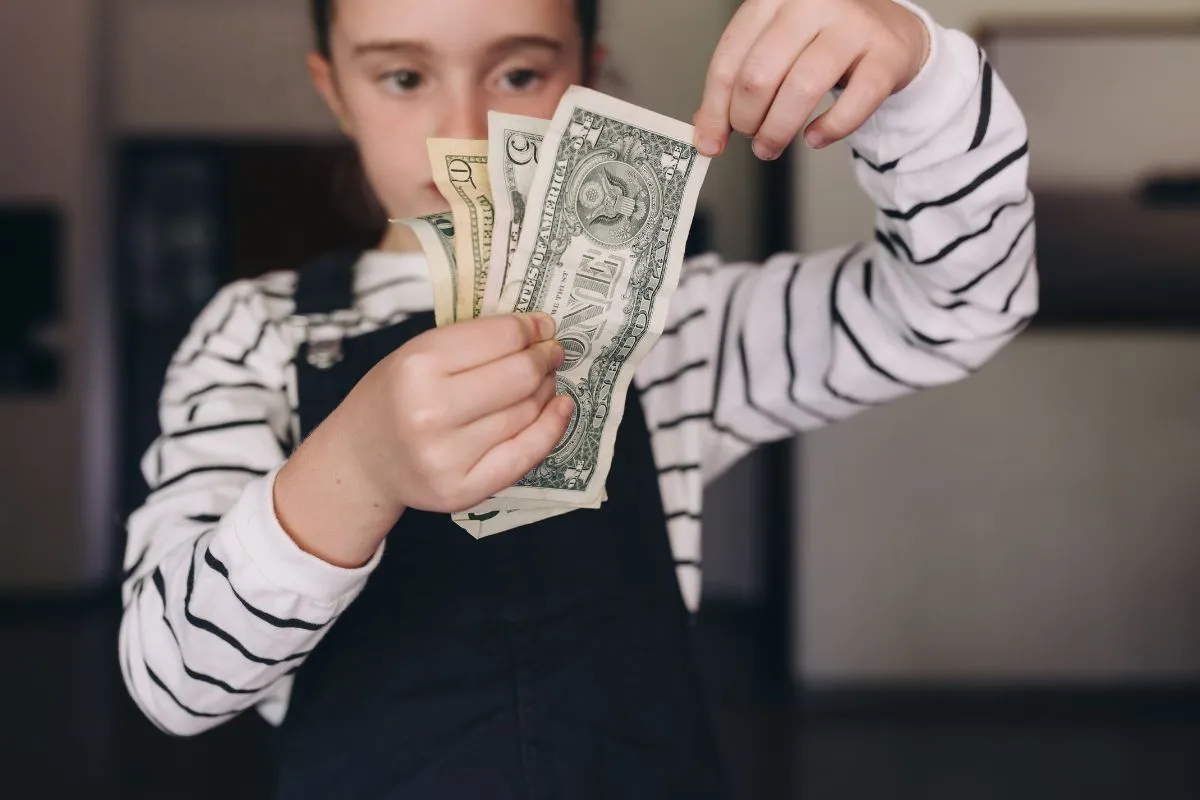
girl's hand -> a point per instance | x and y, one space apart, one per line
460 412
449 419
778 59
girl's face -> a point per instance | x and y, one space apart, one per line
405 70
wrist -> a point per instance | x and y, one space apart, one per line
941 92
920 33
329 505
255 537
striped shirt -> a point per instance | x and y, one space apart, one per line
221 607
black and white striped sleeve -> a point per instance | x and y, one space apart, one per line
220 605
758 353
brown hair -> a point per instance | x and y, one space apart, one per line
587 12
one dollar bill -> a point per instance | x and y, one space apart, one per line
600 250
498 515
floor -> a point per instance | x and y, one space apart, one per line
67 730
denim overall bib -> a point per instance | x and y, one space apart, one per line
552 662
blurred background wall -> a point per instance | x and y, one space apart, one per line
1040 522
55 469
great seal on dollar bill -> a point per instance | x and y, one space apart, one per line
613 200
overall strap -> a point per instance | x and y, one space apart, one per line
326 285
324 300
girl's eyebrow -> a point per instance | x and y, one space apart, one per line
394 46
511 44
497 49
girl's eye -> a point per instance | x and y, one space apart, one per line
403 81
521 79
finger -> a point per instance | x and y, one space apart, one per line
766 67
816 71
466 345
712 119
499 384
483 434
871 83
509 461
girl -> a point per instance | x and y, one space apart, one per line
551 661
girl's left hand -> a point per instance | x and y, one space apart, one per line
778 58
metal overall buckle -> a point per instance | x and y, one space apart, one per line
324 334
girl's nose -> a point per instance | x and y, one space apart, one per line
464 116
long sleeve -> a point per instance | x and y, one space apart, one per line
221 607
753 354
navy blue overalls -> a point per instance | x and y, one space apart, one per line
552 662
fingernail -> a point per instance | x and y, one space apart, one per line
764 152
709 146
566 405
560 355
815 139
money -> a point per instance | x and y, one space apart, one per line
436 236
488 520
498 515
600 250
593 210
491 523
460 171
514 143
481 522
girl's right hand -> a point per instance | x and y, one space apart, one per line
459 413
444 422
